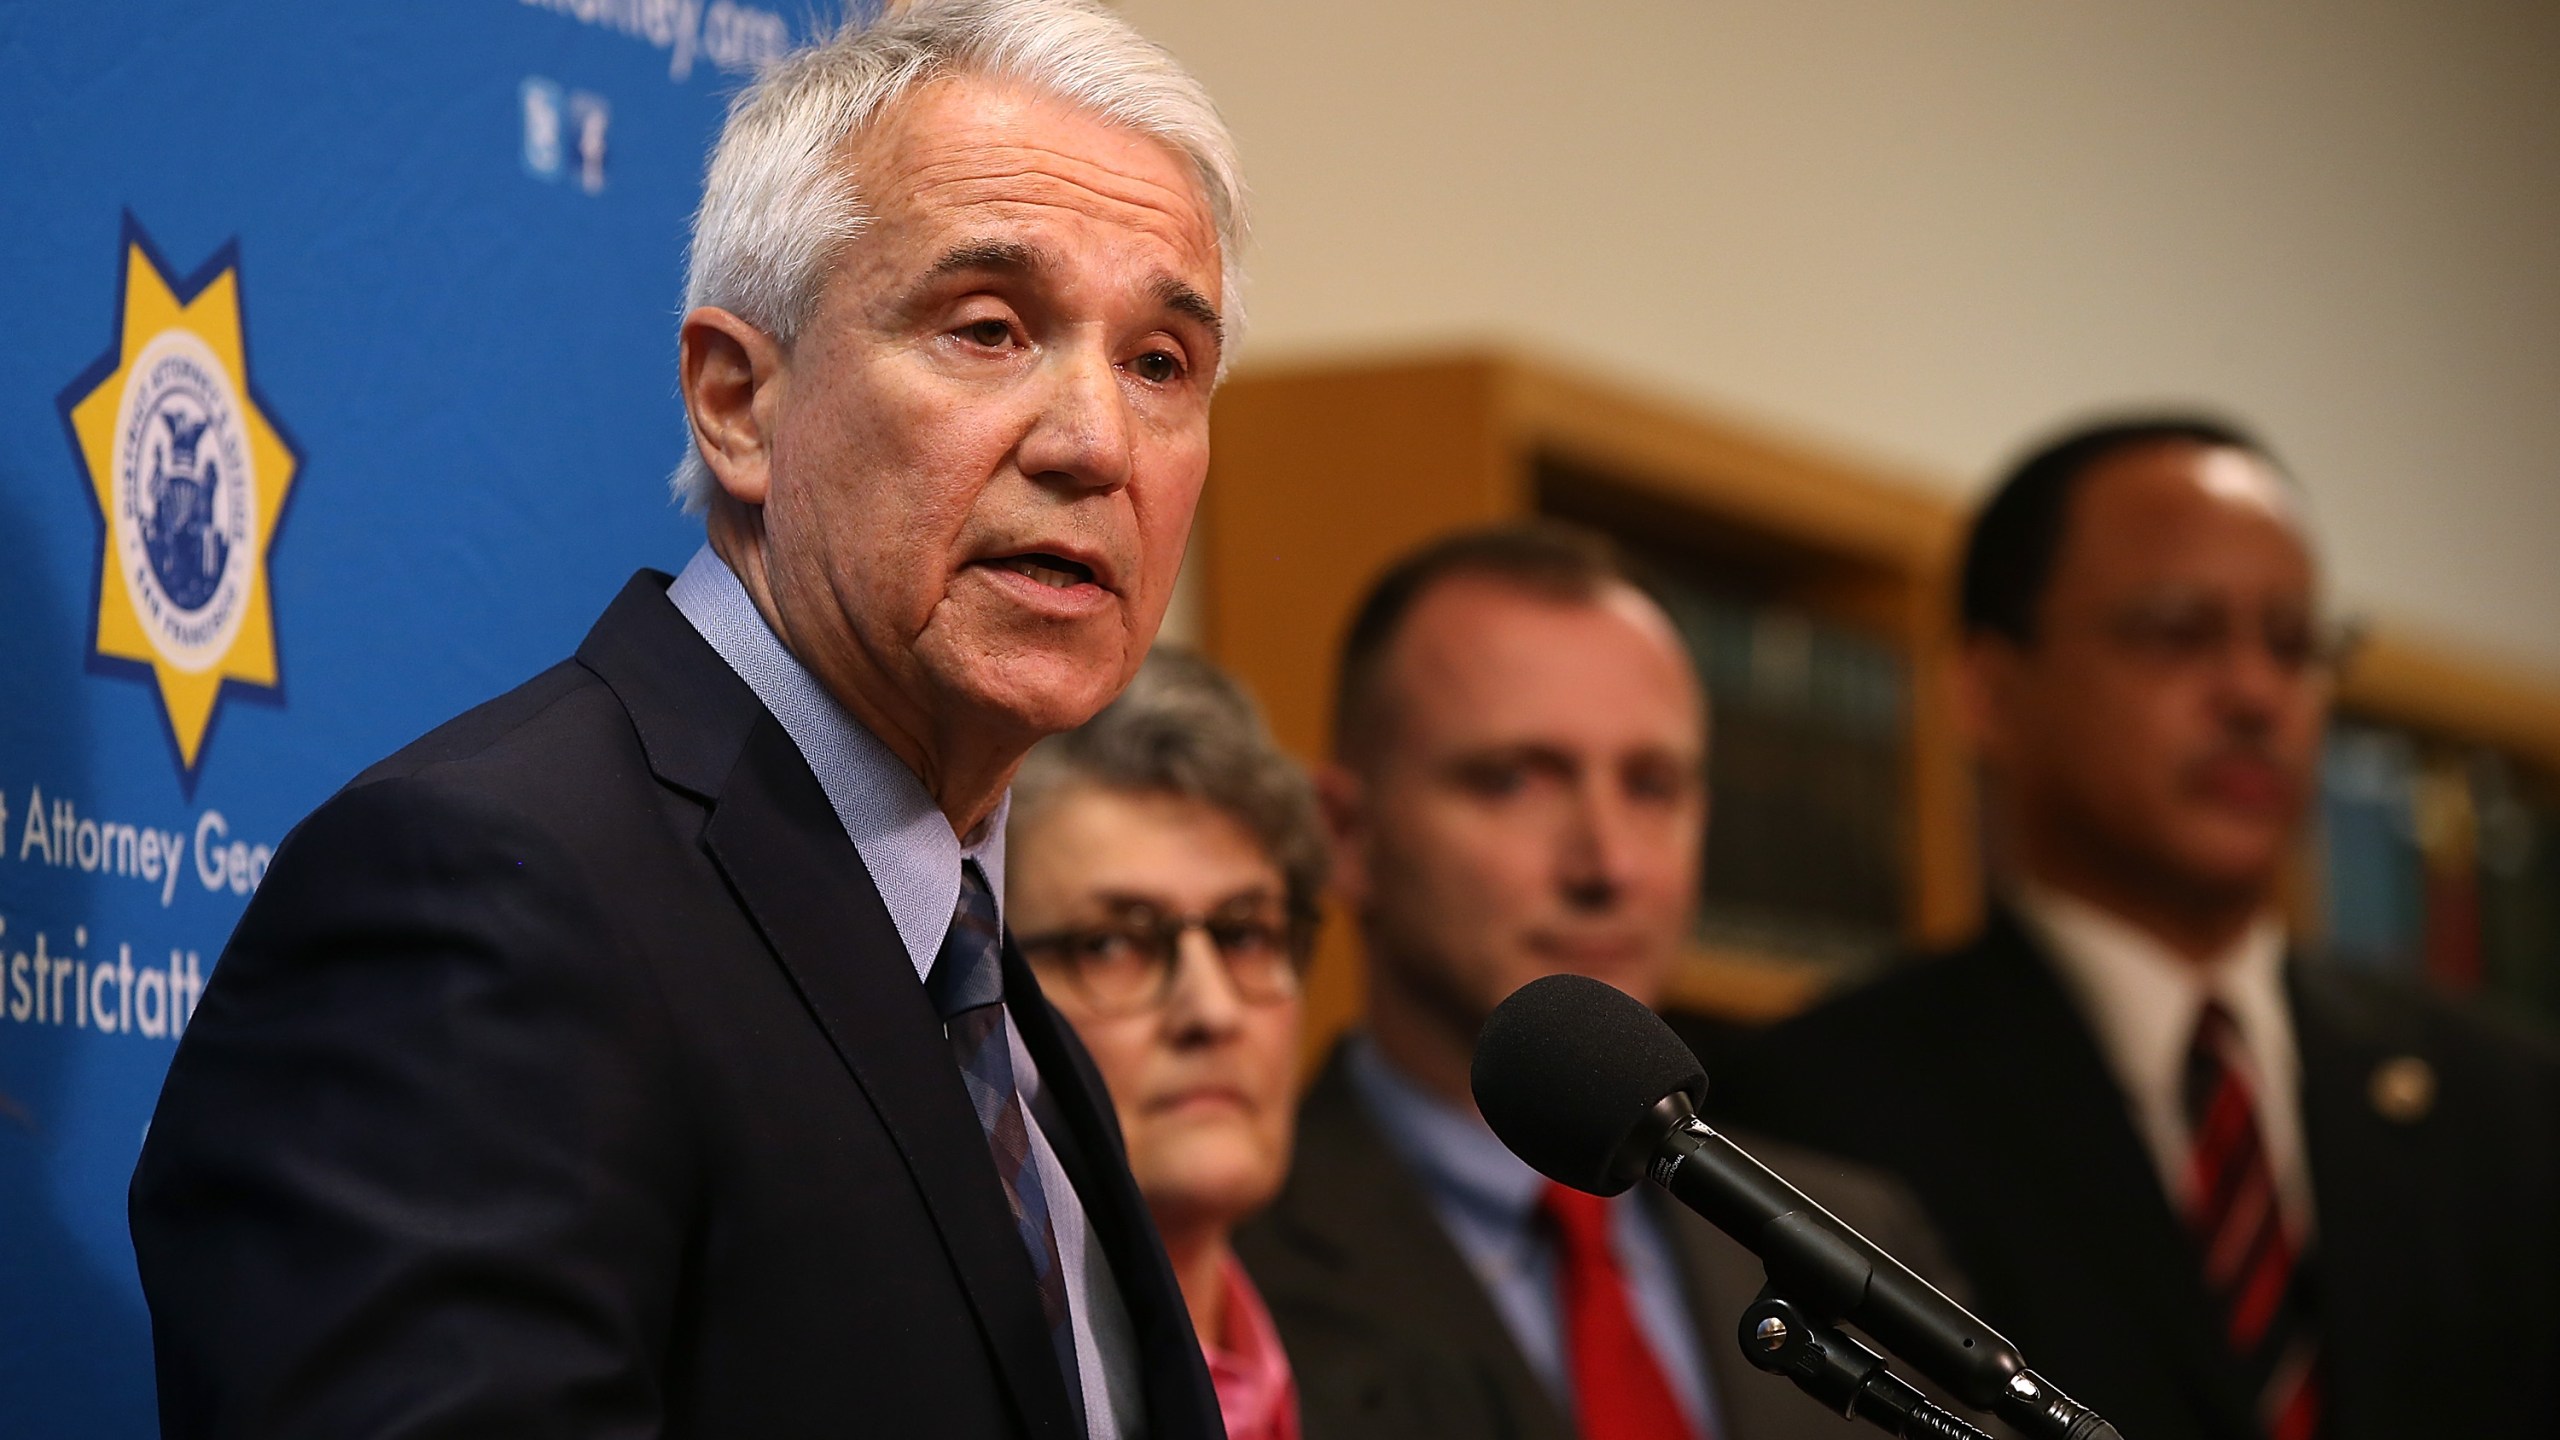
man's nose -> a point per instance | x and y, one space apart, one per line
1080 437
1598 848
2254 681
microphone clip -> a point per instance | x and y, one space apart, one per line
1841 1373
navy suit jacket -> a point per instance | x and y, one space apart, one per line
2438 1256
566 1076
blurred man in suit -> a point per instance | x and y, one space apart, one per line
640 1054
1518 790
2211 1188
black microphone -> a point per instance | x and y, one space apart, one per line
1589 1087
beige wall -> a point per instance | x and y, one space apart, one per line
1923 229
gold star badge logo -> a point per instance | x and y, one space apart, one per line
189 474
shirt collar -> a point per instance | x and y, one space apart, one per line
1457 1155
903 837
2142 997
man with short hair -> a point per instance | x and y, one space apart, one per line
1518 790
2210 1187
640 1053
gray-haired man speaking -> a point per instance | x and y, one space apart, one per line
640 1053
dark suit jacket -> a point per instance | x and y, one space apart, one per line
2438 1254
566 1076
1392 1336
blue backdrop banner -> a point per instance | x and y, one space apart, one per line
340 396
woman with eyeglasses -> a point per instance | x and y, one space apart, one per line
1162 867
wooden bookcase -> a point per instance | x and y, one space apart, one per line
1323 473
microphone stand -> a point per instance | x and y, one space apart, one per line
1817 1259
1844 1375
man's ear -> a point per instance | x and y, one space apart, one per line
1344 801
730 373
1987 687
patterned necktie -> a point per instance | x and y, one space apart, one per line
2251 1269
967 988
1619 1392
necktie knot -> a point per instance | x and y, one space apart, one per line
1581 1220
2213 1062
968 972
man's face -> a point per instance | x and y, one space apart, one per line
1535 804
986 446
2164 727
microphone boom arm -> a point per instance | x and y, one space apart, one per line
1833 1273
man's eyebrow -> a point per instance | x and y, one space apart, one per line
1006 255
1537 753
1184 300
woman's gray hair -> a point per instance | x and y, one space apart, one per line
779 205
1185 727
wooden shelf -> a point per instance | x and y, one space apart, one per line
2422 683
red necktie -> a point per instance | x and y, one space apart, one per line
2250 1266
1619 1392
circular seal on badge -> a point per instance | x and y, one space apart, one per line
184 515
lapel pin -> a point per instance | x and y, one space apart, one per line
2403 1088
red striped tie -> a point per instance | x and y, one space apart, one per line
1619 1392
2251 1269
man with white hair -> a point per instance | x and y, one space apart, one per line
640 1054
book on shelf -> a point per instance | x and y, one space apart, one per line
1805 777
2442 861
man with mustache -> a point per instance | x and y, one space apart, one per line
642 1053
2209 1186
1518 789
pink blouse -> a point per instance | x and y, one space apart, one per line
1256 1393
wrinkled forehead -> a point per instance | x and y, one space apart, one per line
964 152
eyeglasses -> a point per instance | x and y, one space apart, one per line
2191 632
1126 965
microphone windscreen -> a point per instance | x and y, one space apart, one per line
1568 1068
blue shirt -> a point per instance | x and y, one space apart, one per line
907 844
1487 1200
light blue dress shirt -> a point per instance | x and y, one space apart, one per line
1487 1199
907 844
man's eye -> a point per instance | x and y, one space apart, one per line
1157 367
2292 645
1493 781
2177 634
989 333
2191 635
1661 783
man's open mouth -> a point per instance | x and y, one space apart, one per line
1055 571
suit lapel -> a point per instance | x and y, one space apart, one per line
777 841
2388 1250
1176 1376
1351 1198
2081 1182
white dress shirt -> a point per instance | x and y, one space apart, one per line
2142 999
